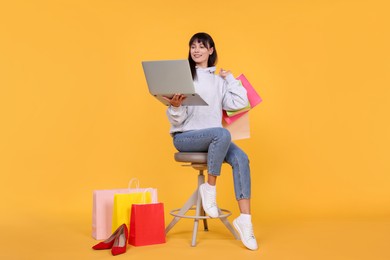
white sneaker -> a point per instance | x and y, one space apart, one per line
208 201
246 233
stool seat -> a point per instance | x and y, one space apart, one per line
191 157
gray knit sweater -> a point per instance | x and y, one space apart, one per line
220 94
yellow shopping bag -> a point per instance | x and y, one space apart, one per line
123 203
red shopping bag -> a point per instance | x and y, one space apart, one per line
147 224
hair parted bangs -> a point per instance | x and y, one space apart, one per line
208 42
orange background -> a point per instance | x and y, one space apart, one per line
76 115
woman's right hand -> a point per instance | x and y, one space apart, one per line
223 73
176 100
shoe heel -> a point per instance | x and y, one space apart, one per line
109 242
120 243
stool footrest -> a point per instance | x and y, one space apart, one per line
173 213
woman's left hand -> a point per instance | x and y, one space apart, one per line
176 100
223 73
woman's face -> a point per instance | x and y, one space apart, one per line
200 54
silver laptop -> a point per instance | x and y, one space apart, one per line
167 77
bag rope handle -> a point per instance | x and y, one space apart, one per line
131 183
144 195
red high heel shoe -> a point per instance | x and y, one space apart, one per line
108 243
120 244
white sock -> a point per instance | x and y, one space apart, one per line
245 218
210 188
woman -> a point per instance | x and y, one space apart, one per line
199 129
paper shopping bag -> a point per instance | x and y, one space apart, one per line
122 207
102 208
231 113
147 224
253 97
103 202
239 129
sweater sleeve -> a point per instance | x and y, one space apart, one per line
234 94
177 115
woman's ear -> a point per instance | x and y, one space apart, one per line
211 50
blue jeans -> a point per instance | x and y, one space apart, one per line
217 143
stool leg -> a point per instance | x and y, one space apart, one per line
202 212
196 222
227 224
187 206
198 209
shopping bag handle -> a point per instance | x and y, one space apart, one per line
131 183
144 195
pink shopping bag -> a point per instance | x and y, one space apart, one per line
253 97
102 212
